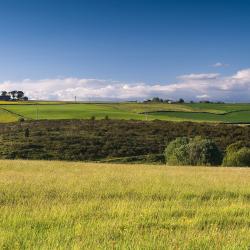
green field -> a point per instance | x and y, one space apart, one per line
228 113
5 116
60 205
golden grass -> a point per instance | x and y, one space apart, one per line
62 205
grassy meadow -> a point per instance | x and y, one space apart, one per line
62 205
198 112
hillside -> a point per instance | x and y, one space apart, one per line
97 206
106 140
198 112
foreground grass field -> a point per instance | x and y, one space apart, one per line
228 113
60 205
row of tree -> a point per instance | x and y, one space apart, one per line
204 152
157 99
15 95
181 100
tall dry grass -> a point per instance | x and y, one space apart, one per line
60 205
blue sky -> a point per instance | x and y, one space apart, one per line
125 44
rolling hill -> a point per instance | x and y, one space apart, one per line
226 113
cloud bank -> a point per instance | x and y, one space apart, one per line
212 86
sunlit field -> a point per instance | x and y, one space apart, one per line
198 112
6 117
62 205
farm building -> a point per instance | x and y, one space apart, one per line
4 98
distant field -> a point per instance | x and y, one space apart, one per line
229 113
5 116
59 205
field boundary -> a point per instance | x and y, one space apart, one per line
194 112
13 113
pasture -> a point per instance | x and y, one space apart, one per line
62 205
197 112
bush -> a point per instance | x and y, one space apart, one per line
26 133
204 152
195 151
237 146
237 155
175 151
21 119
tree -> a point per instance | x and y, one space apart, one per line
204 152
4 93
194 151
19 95
237 154
181 100
13 94
171 154
157 99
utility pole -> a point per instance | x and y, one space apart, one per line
37 111
75 99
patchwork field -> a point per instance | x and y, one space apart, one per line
60 205
228 113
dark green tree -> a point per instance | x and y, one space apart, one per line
195 151
237 155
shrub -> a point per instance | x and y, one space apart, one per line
237 155
26 133
196 151
113 138
236 146
172 153
204 152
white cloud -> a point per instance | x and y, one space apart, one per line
220 65
242 75
189 87
202 96
199 76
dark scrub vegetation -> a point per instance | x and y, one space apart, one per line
107 140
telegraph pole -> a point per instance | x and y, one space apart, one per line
37 111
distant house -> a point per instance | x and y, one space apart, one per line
5 98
